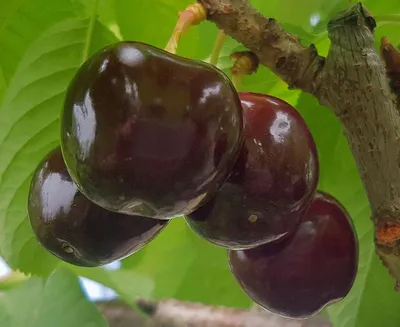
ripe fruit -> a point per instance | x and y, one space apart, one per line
272 183
300 276
76 230
146 132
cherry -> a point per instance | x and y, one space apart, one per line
298 277
272 183
76 230
146 132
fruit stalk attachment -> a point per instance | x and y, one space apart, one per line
216 51
245 63
391 57
193 15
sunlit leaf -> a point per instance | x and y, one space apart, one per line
57 301
29 128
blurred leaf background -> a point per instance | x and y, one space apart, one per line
42 43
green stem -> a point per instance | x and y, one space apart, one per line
182 26
193 15
237 81
216 51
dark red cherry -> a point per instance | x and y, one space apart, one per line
76 230
298 277
146 132
272 183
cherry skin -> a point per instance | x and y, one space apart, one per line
272 183
298 277
146 132
75 229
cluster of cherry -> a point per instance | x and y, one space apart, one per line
148 136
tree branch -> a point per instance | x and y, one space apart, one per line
174 313
283 53
357 89
352 82
119 314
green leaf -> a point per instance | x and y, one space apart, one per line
186 267
306 15
42 44
21 22
57 301
149 21
29 121
381 7
372 301
128 284
105 10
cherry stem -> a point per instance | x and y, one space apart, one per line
219 43
237 80
193 15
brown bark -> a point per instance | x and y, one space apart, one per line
352 82
174 313
119 314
